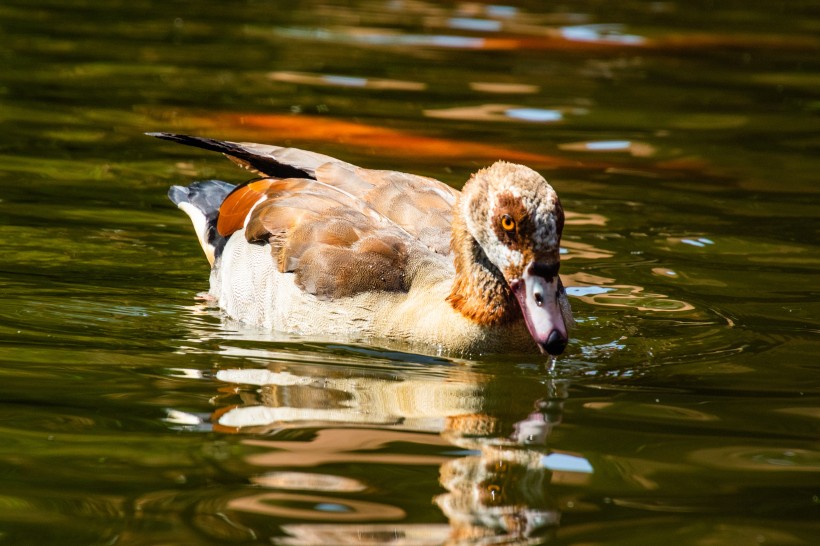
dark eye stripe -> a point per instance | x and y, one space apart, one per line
547 271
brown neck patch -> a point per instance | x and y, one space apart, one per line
479 291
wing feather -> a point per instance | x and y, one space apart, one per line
340 228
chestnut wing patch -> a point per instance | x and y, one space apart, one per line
235 208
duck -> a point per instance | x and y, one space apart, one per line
316 246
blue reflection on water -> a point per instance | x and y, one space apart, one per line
581 291
534 114
566 463
332 507
469 23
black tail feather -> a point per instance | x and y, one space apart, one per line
260 162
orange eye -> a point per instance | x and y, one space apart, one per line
507 223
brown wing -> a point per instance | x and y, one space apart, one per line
421 206
340 228
334 242
352 230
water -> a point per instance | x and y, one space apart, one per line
683 140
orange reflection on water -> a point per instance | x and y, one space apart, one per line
392 142
295 129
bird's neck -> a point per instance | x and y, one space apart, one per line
479 291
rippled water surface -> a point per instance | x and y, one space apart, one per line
684 141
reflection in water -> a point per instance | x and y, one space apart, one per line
629 296
601 34
500 28
494 34
636 149
603 291
383 38
503 494
335 80
316 418
505 112
507 88
409 534
254 126
315 507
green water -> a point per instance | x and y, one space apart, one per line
684 140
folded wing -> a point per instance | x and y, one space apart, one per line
340 228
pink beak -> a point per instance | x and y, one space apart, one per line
538 295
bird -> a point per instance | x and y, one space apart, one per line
317 246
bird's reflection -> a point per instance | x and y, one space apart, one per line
502 493
327 437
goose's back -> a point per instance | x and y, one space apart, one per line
346 230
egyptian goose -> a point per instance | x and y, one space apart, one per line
317 246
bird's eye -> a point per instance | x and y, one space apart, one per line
508 224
